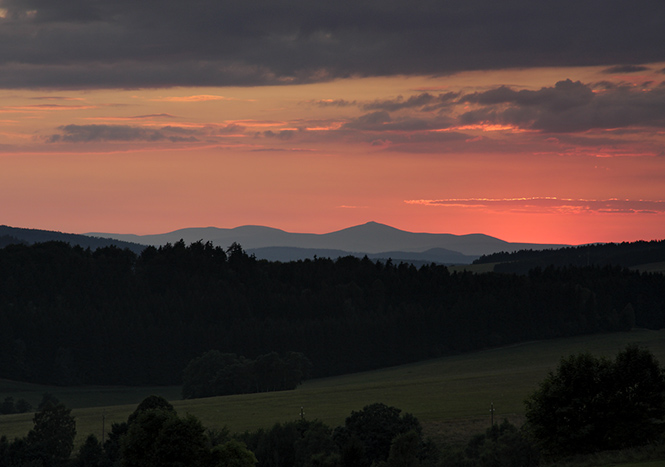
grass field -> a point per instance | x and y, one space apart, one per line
451 396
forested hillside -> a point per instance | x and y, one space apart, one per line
70 315
619 254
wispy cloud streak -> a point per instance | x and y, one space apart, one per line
105 133
551 205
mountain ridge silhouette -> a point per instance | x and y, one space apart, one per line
370 238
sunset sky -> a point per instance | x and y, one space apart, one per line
528 120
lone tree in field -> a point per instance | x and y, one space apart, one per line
592 404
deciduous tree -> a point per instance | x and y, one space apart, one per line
376 426
590 404
52 438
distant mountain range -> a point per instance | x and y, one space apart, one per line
377 241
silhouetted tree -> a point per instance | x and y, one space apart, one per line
590 404
233 453
51 440
375 427
90 454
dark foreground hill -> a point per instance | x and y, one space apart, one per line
70 315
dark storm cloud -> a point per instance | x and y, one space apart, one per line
97 133
153 43
568 107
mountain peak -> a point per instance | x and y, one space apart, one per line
371 226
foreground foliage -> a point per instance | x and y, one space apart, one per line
155 435
48 444
377 435
592 404
502 445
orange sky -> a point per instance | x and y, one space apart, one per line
549 155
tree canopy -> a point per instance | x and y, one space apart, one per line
590 404
374 428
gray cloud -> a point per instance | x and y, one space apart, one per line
424 101
568 107
335 103
156 43
372 121
564 95
382 121
97 133
282 135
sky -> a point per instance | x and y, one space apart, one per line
528 120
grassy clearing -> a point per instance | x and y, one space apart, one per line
451 396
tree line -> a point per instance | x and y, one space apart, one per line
70 315
218 374
624 254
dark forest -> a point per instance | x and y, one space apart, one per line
70 315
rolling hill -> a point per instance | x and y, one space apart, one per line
13 235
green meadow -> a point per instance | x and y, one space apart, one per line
451 396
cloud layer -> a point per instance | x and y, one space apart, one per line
161 43
598 119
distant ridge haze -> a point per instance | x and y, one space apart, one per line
371 238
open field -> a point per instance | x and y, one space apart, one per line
451 396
